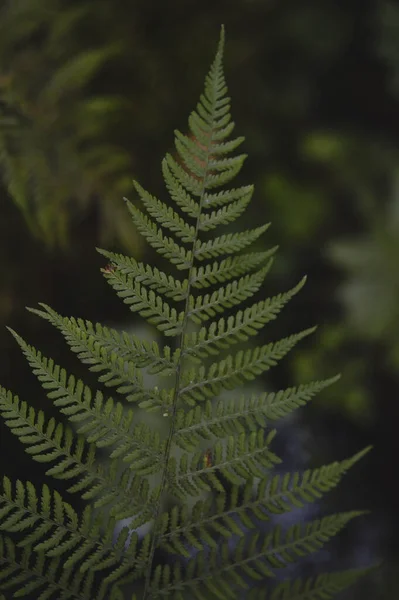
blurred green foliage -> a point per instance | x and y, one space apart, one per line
56 143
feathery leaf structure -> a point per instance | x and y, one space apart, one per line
201 478
56 151
324 587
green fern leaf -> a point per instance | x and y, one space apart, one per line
237 328
237 415
165 216
227 244
177 255
73 459
252 558
238 458
228 268
235 370
73 395
88 341
323 587
224 215
26 573
178 193
201 308
197 480
57 528
228 515
151 277
148 304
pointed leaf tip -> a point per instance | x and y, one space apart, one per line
222 39
359 455
13 333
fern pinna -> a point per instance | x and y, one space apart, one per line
196 482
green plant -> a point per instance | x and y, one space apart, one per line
202 485
56 151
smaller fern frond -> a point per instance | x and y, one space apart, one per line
52 376
225 515
76 72
237 328
236 370
237 415
119 372
149 276
88 341
228 268
302 539
73 458
216 199
103 423
54 529
238 458
69 392
167 247
166 216
203 307
25 573
177 192
191 182
228 243
147 303
323 587
224 215
46 442
210 575
297 489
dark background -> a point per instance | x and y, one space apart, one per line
90 93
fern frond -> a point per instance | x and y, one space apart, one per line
252 557
177 192
212 200
192 183
103 423
75 459
210 576
236 415
176 254
238 458
88 341
236 370
236 328
296 489
224 215
234 513
56 529
202 308
203 507
205 276
148 304
149 276
24 572
74 454
166 216
75 397
323 587
228 243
